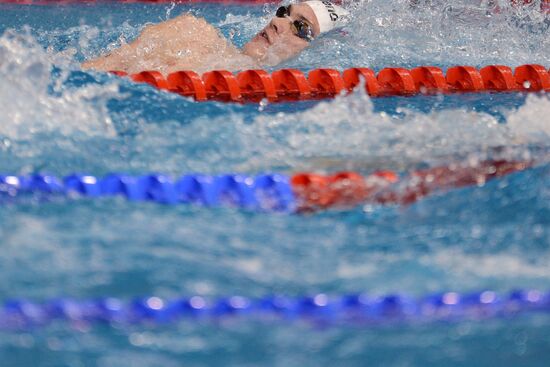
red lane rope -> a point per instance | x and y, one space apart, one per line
294 85
348 189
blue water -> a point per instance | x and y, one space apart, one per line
58 119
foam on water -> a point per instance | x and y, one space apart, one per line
530 122
350 128
384 33
29 106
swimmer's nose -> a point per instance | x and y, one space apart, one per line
280 25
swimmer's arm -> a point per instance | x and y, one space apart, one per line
117 59
153 36
181 43
123 57
106 63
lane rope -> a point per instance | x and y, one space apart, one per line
357 308
288 85
302 192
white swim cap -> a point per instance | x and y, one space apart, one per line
328 15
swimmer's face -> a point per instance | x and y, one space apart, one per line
278 41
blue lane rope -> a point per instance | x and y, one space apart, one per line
270 192
17 314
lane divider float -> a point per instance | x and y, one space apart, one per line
293 85
358 308
302 192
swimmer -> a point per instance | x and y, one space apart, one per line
189 43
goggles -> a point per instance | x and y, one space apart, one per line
299 27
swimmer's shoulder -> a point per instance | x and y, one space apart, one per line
190 20
185 25
184 28
187 21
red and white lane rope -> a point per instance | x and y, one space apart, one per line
294 85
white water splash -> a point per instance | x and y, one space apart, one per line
345 133
393 33
27 104
348 128
233 19
531 122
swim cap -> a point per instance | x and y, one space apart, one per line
328 15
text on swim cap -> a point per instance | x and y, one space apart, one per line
331 10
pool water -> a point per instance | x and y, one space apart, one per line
58 119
